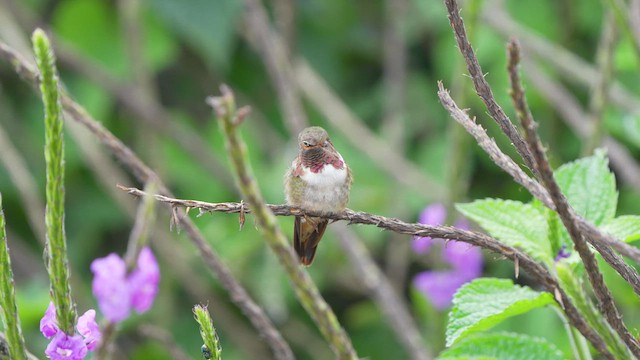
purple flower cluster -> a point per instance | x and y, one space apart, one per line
70 347
118 292
465 261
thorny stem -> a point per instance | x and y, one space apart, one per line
545 174
307 292
534 269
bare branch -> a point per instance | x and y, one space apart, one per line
605 299
482 86
525 262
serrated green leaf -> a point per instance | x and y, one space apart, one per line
625 228
590 187
484 303
503 346
513 223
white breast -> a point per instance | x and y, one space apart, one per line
328 177
325 190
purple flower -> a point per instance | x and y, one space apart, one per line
434 214
465 261
563 253
110 287
117 293
144 281
48 323
65 347
89 329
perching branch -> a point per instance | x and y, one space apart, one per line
143 173
308 294
567 215
526 263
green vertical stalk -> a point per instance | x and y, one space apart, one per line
211 348
308 294
57 262
8 307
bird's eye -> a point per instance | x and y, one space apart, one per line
306 144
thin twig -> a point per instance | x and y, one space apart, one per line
482 86
143 173
305 289
573 114
600 241
569 65
605 299
506 163
533 268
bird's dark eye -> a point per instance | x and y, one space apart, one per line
306 143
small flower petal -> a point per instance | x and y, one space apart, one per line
110 287
48 323
144 280
89 329
65 347
464 258
563 253
439 286
434 214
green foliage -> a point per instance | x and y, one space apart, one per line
590 187
625 227
8 307
514 223
485 302
574 287
502 346
57 262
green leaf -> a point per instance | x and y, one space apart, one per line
513 223
503 346
625 228
590 187
484 303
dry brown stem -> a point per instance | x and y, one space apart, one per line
567 215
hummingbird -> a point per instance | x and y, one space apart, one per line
318 180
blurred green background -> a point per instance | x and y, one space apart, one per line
144 68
